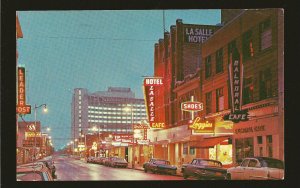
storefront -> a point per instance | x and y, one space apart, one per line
256 138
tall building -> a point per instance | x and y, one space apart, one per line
105 110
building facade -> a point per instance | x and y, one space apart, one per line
104 113
257 35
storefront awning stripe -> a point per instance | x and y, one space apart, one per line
208 142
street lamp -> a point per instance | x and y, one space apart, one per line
35 110
97 129
127 109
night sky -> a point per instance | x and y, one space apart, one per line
63 50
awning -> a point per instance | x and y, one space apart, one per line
208 142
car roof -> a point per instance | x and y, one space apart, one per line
207 160
263 158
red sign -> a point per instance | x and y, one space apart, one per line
192 106
123 138
235 68
22 107
152 85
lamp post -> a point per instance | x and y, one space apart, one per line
131 111
97 129
35 114
45 137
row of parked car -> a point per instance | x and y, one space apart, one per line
251 168
42 170
117 162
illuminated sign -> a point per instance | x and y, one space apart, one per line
192 106
22 107
143 142
123 138
94 146
151 84
140 126
32 134
199 126
236 87
197 33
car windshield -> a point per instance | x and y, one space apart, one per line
210 163
273 163
162 162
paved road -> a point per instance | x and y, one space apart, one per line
70 169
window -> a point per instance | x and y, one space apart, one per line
245 163
244 148
259 140
265 86
253 163
192 151
248 90
265 31
269 146
208 67
219 100
247 45
219 61
185 149
208 102
231 46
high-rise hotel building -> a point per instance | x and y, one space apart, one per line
105 110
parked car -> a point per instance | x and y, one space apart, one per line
119 162
101 160
204 169
257 168
33 172
50 165
108 161
160 166
90 159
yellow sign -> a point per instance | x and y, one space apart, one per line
197 125
32 134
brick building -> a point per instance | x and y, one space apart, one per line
257 35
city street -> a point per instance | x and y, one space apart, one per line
70 169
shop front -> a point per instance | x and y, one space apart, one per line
256 138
